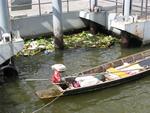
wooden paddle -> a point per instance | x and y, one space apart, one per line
36 79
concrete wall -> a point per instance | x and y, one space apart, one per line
31 26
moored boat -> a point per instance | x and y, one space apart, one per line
103 76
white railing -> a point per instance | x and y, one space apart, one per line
41 7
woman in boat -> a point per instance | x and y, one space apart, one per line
56 77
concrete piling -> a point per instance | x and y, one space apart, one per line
93 4
127 9
5 24
57 24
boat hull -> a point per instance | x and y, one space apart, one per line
105 85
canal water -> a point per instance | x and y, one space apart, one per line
19 96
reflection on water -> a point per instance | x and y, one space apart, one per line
19 96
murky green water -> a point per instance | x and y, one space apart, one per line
19 96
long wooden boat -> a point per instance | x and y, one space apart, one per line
106 75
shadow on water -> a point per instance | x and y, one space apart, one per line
19 96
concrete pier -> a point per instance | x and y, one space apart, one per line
57 23
109 16
9 46
127 9
93 5
5 25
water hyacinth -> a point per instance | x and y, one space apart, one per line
79 40
86 39
33 47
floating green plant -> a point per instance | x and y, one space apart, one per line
79 40
86 39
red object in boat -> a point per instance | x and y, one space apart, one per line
56 77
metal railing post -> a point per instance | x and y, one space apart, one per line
116 7
142 7
146 8
130 7
39 3
67 5
90 5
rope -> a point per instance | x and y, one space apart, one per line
48 103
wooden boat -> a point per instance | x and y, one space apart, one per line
106 75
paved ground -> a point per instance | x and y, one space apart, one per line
74 5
